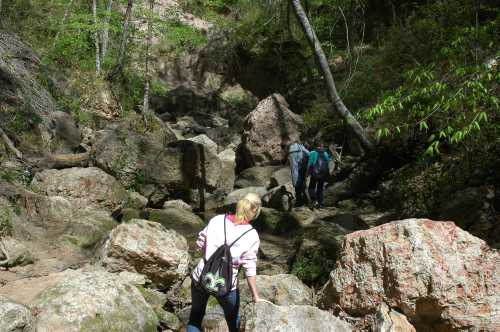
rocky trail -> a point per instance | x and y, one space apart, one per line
99 233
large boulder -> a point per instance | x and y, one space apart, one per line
81 226
93 301
147 248
154 168
83 187
268 131
15 317
281 289
439 276
264 317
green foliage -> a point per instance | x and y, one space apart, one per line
5 223
179 37
313 267
455 103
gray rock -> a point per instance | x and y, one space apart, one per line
83 187
93 301
15 317
148 248
258 176
281 289
388 320
264 317
89 227
177 203
207 143
182 221
281 198
136 201
282 176
18 253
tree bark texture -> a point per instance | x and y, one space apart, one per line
10 145
123 44
105 31
96 39
333 94
147 74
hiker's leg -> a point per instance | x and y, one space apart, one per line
312 189
231 306
299 191
319 191
199 300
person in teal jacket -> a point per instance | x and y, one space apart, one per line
318 170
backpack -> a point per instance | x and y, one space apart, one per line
216 278
320 168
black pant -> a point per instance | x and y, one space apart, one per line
300 190
316 186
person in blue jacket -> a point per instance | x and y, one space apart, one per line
317 168
298 156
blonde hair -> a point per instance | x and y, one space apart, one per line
247 207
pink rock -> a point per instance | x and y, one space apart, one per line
441 277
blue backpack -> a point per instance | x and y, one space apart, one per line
320 168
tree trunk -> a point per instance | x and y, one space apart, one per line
0 13
96 39
105 32
327 74
60 161
123 45
10 145
147 75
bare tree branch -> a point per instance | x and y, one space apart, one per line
324 67
96 39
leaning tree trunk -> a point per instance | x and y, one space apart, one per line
327 74
105 31
147 74
123 45
96 39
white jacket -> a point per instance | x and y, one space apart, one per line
243 252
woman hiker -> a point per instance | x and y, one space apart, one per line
317 168
226 229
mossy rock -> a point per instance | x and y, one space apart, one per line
89 227
93 302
